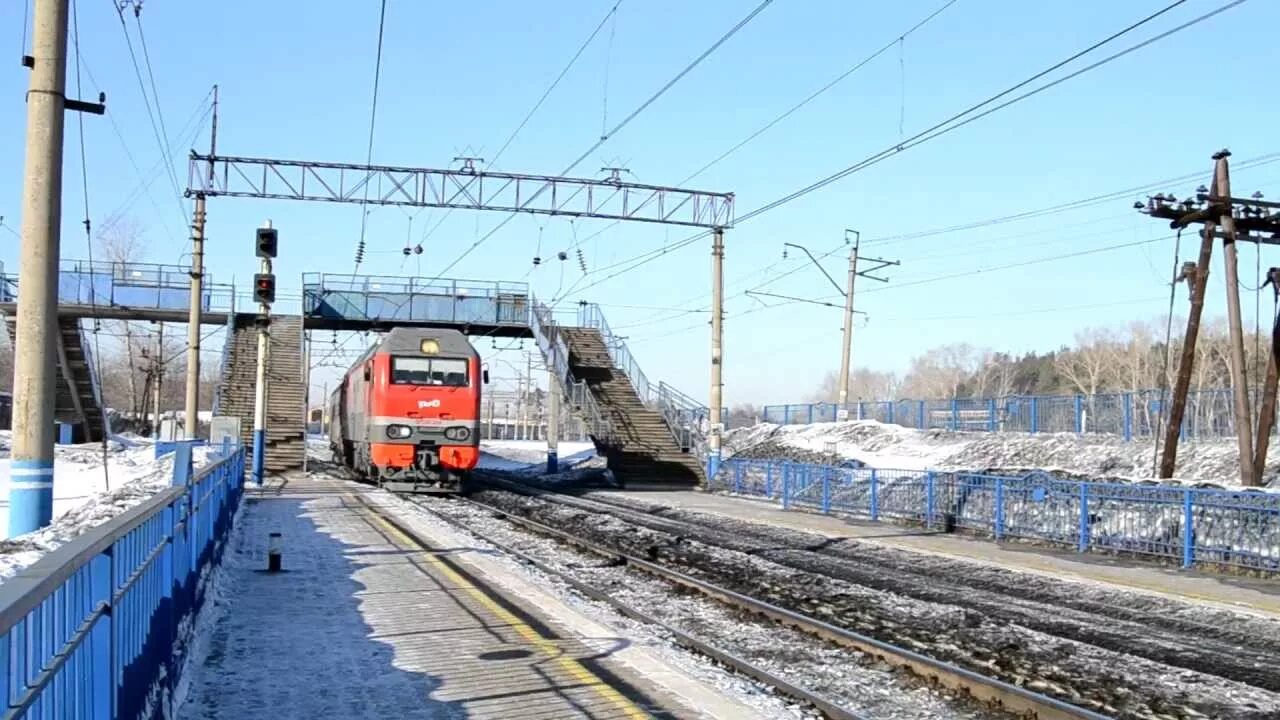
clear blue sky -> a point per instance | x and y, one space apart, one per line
458 77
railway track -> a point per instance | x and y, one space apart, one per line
1084 651
990 692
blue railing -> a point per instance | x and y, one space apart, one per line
1188 526
409 299
98 628
1128 414
142 286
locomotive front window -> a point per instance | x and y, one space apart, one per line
429 371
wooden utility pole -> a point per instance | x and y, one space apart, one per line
1214 207
1267 408
1239 375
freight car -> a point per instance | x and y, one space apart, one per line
406 414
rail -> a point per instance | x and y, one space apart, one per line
98 628
1134 414
1186 526
984 688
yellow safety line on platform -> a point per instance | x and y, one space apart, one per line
572 666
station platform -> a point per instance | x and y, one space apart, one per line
1259 596
365 622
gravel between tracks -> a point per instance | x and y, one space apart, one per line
850 679
984 629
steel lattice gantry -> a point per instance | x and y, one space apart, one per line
467 188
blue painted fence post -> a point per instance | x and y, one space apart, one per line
810 413
1128 417
786 487
862 410
991 414
875 495
1079 413
999 519
928 499
1035 414
737 478
920 415
826 490
1188 530
889 419
786 414
1083 543
768 480
955 414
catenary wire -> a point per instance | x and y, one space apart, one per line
373 119
946 126
605 138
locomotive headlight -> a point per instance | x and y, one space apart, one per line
458 433
399 432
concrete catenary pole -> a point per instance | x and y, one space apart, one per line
553 419
158 378
846 348
306 395
717 351
191 422
31 468
1239 384
260 383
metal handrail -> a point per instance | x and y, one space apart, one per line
149 559
553 347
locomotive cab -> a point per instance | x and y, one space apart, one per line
410 411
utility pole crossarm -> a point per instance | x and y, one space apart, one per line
464 188
878 265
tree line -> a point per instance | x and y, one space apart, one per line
1100 360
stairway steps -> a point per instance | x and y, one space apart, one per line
286 394
642 446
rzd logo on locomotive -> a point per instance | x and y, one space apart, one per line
429 403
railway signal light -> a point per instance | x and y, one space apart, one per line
264 288
267 242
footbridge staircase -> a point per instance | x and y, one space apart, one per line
286 392
78 400
651 435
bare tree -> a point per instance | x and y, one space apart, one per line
939 372
864 384
121 240
1086 366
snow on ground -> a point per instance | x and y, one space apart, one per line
82 499
520 456
1093 457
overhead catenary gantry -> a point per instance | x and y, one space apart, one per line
468 188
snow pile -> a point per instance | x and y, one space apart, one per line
529 457
81 497
1091 457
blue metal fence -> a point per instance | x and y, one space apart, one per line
1184 525
97 628
1129 414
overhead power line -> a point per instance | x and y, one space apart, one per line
790 111
161 140
625 121
954 122
533 110
373 119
